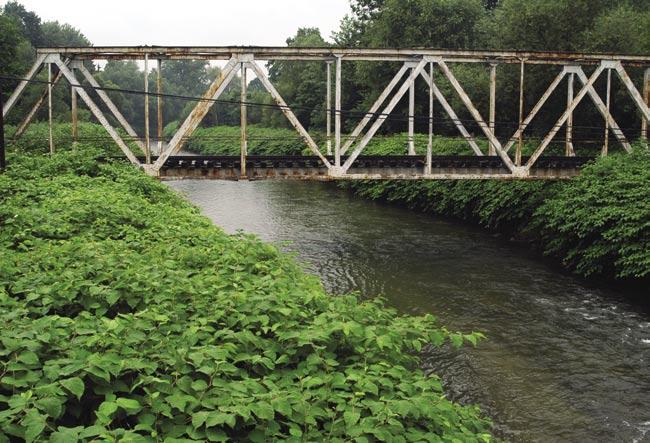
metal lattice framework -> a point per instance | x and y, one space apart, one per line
416 64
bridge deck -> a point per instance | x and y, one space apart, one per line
226 167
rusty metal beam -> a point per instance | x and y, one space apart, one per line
602 108
69 75
261 75
49 107
452 114
337 114
33 71
243 120
538 106
493 105
328 108
477 116
110 105
415 72
375 107
306 53
568 143
640 103
200 110
24 124
577 99
646 96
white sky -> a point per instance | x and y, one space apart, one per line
192 22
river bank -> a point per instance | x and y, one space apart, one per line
564 359
129 315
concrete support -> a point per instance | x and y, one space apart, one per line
493 104
147 140
328 107
74 117
568 143
411 119
242 122
49 106
159 105
427 167
520 139
607 104
337 114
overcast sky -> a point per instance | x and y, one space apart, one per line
192 22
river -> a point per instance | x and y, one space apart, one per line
562 361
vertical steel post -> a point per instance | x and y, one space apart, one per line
607 105
337 114
411 119
49 106
147 141
427 170
242 126
646 97
568 144
73 113
3 161
520 141
159 125
493 106
329 108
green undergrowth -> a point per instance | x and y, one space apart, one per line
128 316
597 224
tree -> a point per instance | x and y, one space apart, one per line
302 84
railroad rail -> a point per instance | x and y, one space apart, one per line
405 167
342 155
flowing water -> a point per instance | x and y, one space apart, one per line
562 361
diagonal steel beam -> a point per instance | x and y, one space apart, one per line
477 116
452 114
634 92
602 108
35 69
415 73
200 110
547 94
37 106
109 104
72 79
288 112
375 107
576 100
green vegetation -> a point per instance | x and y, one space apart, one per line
128 316
597 224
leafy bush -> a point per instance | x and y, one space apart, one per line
128 316
599 223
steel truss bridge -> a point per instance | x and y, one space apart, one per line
344 159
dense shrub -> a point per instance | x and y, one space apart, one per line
596 224
127 316
599 223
